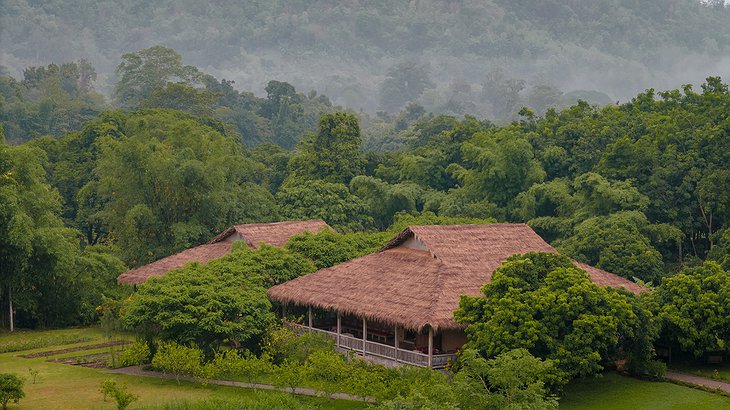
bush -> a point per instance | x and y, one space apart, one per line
120 394
283 344
178 360
11 389
135 354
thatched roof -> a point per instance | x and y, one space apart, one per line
416 280
277 234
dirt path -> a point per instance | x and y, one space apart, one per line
700 381
75 349
304 391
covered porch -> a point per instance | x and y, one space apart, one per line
387 344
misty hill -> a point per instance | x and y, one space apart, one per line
468 56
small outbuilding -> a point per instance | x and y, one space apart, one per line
276 234
396 305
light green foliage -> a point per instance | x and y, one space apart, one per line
541 302
120 394
328 248
170 182
178 360
694 308
502 164
333 154
289 374
326 370
281 344
316 199
11 389
203 304
512 380
135 354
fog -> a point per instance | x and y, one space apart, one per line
468 51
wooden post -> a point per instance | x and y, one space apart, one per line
309 313
10 304
364 335
430 346
396 343
339 328
283 311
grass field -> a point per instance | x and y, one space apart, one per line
63 386
614 392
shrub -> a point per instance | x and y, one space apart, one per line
120 394
11 389
326 370
178 360
282 344
135 354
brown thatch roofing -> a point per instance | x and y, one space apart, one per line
417 279
277 234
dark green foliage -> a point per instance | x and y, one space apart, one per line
11 389
175 181
541 302
53 280
274 265
209 305
694 309
328 248
333 154
316 199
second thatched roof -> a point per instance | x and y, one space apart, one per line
276 234
417 279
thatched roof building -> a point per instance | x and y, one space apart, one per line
415 281
277 234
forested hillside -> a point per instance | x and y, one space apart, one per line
479 57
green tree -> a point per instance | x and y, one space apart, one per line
11 389
334 154
207 305
513 380
316 199
694 309
328 248
144 71
621 243
542 302
182 97
171 181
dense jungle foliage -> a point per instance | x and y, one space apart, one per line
88 190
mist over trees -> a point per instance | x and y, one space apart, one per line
484 58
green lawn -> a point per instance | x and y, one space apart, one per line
616 392
62 386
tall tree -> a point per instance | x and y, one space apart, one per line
144 71
334 154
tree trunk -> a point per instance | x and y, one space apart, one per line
10 308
